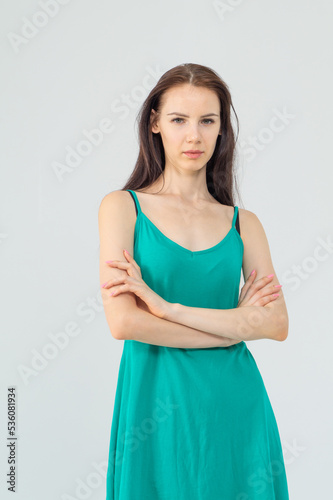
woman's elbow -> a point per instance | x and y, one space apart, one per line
119 328
283 330
116 334
123 327
283 335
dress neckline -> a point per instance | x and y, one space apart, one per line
176 245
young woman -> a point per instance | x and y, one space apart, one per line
192 419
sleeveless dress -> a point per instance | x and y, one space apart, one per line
192 424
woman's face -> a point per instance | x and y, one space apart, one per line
189 120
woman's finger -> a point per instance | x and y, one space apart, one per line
260 284
268 290
263 295
120 279
252 275
130 268
128 284
110 283
124 284
247 285
121 289
265 300
119 264
129 257
252 291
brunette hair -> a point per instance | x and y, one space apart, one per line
150 163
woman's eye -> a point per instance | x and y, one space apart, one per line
205 120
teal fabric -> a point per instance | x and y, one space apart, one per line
192 424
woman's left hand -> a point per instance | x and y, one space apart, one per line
133 282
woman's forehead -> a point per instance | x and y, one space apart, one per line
182 99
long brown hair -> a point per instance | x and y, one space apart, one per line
150 164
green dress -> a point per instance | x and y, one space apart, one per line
192 424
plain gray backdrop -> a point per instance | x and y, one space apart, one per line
72 67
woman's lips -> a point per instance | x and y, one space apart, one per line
193 155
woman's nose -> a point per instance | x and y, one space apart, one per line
192 133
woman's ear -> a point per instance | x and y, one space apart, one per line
153 122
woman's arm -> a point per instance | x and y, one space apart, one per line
243 323
246 322
145 327
116 220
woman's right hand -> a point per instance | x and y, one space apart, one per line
259 293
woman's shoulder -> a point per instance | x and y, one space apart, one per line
250 223
118 201
114 197
247 215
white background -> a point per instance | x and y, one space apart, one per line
95 60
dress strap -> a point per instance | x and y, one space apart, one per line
136 201
235 220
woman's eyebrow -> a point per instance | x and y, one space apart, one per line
186 116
